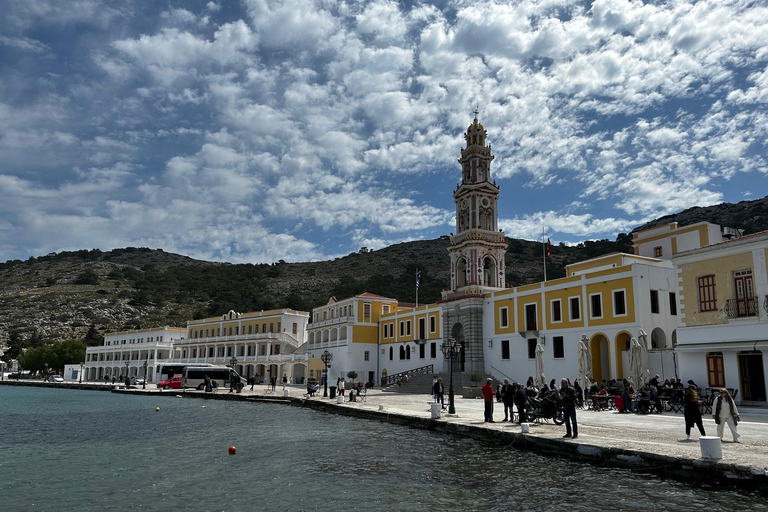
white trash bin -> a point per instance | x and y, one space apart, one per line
710 447
435 409
340 400
525 428
286 392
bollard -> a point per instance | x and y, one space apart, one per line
525 428
710 447
340 399
435 409
286 392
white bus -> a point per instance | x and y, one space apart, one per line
166 371
221 377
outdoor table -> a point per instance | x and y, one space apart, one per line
601 402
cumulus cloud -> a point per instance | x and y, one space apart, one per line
304 129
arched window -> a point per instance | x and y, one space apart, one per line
391 353
402 352
408 352
461 273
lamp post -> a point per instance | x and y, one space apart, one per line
450 351
326 358
233 362
144 384
81 372
45 377
127 378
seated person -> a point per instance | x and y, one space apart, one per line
627 401
621 406
310 389
352 395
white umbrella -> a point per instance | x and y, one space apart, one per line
644 371
540 379
637 372
585 363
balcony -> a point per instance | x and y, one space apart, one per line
741 308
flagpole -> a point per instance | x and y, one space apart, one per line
544 254
418 276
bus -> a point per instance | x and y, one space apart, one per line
221 377
167 371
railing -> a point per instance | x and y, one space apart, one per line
740 308
502 373
395 377
279 336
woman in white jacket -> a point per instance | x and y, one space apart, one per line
724 411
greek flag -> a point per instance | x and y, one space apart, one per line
418 279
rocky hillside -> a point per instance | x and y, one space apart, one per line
60 296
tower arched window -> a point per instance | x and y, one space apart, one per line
461 273
402 352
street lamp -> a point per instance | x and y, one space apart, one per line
45 377
127 377
81 372
326 358
144 384
450 351
233 362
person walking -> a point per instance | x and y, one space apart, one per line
724 411
568 401
438 391
508 397
285 381
691 410
488 398
273 382
341 386
521 397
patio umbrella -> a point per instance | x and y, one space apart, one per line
585 363
540 379
636 370
644 371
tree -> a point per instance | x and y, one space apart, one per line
87 276
93 338
352 375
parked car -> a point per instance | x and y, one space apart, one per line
172 383
138 380
55 378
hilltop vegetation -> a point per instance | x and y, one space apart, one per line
83 294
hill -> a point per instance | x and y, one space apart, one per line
61 295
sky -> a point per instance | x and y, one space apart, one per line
254 131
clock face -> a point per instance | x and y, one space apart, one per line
464 204
485 202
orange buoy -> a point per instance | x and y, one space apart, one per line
232 450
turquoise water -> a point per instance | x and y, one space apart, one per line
76 450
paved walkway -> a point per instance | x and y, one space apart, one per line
662 434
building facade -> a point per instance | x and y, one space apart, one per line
723 337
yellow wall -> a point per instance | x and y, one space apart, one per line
365 333
565 308
524 300
511 316
606 290
722 268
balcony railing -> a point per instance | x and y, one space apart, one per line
741 308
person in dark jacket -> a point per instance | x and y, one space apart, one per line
507 396
568 401
691 410
439 392
521 397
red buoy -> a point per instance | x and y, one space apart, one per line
232 450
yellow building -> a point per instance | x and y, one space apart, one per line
724 315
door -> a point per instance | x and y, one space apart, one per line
752 376
742 282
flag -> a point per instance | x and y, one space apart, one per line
549 248
418 279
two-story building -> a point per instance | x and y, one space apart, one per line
723 338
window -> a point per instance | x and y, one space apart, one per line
295 329
367 355
672 303
654 301
503 317
505 349
402 328
657 252
557 347
715 370
707 298
391 353
575 308
433 350
596 305
367 312
432 324
408 328
557 314
422 350
530 317
422 322
619 303
385 308
532 348
402 352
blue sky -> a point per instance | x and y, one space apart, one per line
301 130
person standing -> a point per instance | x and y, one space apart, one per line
434 381
438 391
341 386
208 385
691 410
521 397
724 411
285 381
507 396
273 382
488 398
568 401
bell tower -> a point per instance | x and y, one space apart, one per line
477 251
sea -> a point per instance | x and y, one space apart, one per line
76 450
